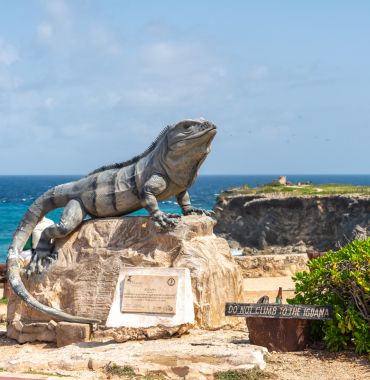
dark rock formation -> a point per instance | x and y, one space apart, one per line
276 223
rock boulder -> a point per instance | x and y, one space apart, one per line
83 280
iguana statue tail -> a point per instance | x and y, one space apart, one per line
35 213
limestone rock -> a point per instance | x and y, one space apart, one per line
123 334
83 280
30 332
68 333
272 265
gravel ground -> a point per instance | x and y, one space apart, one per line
317 365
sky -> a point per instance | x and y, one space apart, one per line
85 83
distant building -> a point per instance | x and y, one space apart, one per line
282 180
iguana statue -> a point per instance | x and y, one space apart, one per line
166 169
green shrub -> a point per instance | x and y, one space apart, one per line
120 371
3 301
340 279
251 374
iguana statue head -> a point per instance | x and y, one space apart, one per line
188 144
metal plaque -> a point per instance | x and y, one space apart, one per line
149 294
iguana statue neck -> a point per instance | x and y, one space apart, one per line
166 169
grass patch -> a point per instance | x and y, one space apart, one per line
4 301
153 376
120 371
56 374
311 189
251 374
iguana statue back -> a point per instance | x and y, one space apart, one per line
166 169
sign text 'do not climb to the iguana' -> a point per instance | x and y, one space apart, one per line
278 311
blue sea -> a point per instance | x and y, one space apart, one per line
18 192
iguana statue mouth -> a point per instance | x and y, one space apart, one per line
166 169
209 131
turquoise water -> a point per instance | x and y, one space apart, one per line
18 192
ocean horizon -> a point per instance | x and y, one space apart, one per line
17 192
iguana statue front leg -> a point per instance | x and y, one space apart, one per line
183 199
156 185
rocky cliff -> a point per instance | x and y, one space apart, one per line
278 223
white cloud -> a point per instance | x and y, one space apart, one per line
148 97
57 28
59 10
176 73
104 39
178 52
49 102
8 53
163 52
259 72
8 82
45 32
304 71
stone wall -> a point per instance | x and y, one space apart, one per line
272 265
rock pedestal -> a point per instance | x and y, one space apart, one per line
83 280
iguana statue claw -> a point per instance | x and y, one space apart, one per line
190 210
166 169
165 220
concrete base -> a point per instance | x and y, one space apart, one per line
184 305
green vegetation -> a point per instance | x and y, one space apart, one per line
154 376
128 373
120 371
340 279
3 301
301 190
252 374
